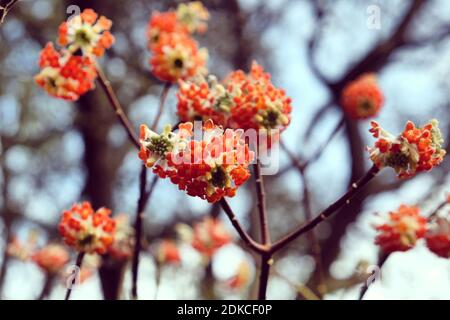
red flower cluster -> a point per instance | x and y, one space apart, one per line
64 75
84 32
438 237
51 258
168 253
210 168
86 230
175 54
209 236
415 150
245 101
402 230
71 72
362 98
122 246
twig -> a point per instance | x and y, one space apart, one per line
266 258
252 244
6 9
46 287
344 200
118 110
381 260
78 264
162 100
138 230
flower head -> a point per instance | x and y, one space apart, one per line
51 258
193 15
210 235
168 252
241 101
438 237
122 246
414 151
257 103
210 168
403 228
177 56
362 98
86 230
64 75
86 33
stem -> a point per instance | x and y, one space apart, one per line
266 258
138 230
47 286
78 264
381 260
265 236
344 200
252 244
436 211
162 100
118 110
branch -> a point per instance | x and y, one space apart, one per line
78 264
344 200
4 10
252 244
115 104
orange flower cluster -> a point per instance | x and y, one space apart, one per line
245 101
438 237
86 33
175 54
168 253
401 232
71 72
122 246
64 75
51 258
86 230
362 98
210 235
210 168
415 150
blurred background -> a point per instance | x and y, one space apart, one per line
54 153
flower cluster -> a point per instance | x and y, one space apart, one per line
210 168
51 258
71 71
400 233
438 237
86 33
87 230
362 98
122 246
210 235
175 54
245 101
167 252
415 150
64 75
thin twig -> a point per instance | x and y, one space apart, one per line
381 260
118 110
78 265
252 244
46 287
344 200
138 230
266 258
162 100
6 9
